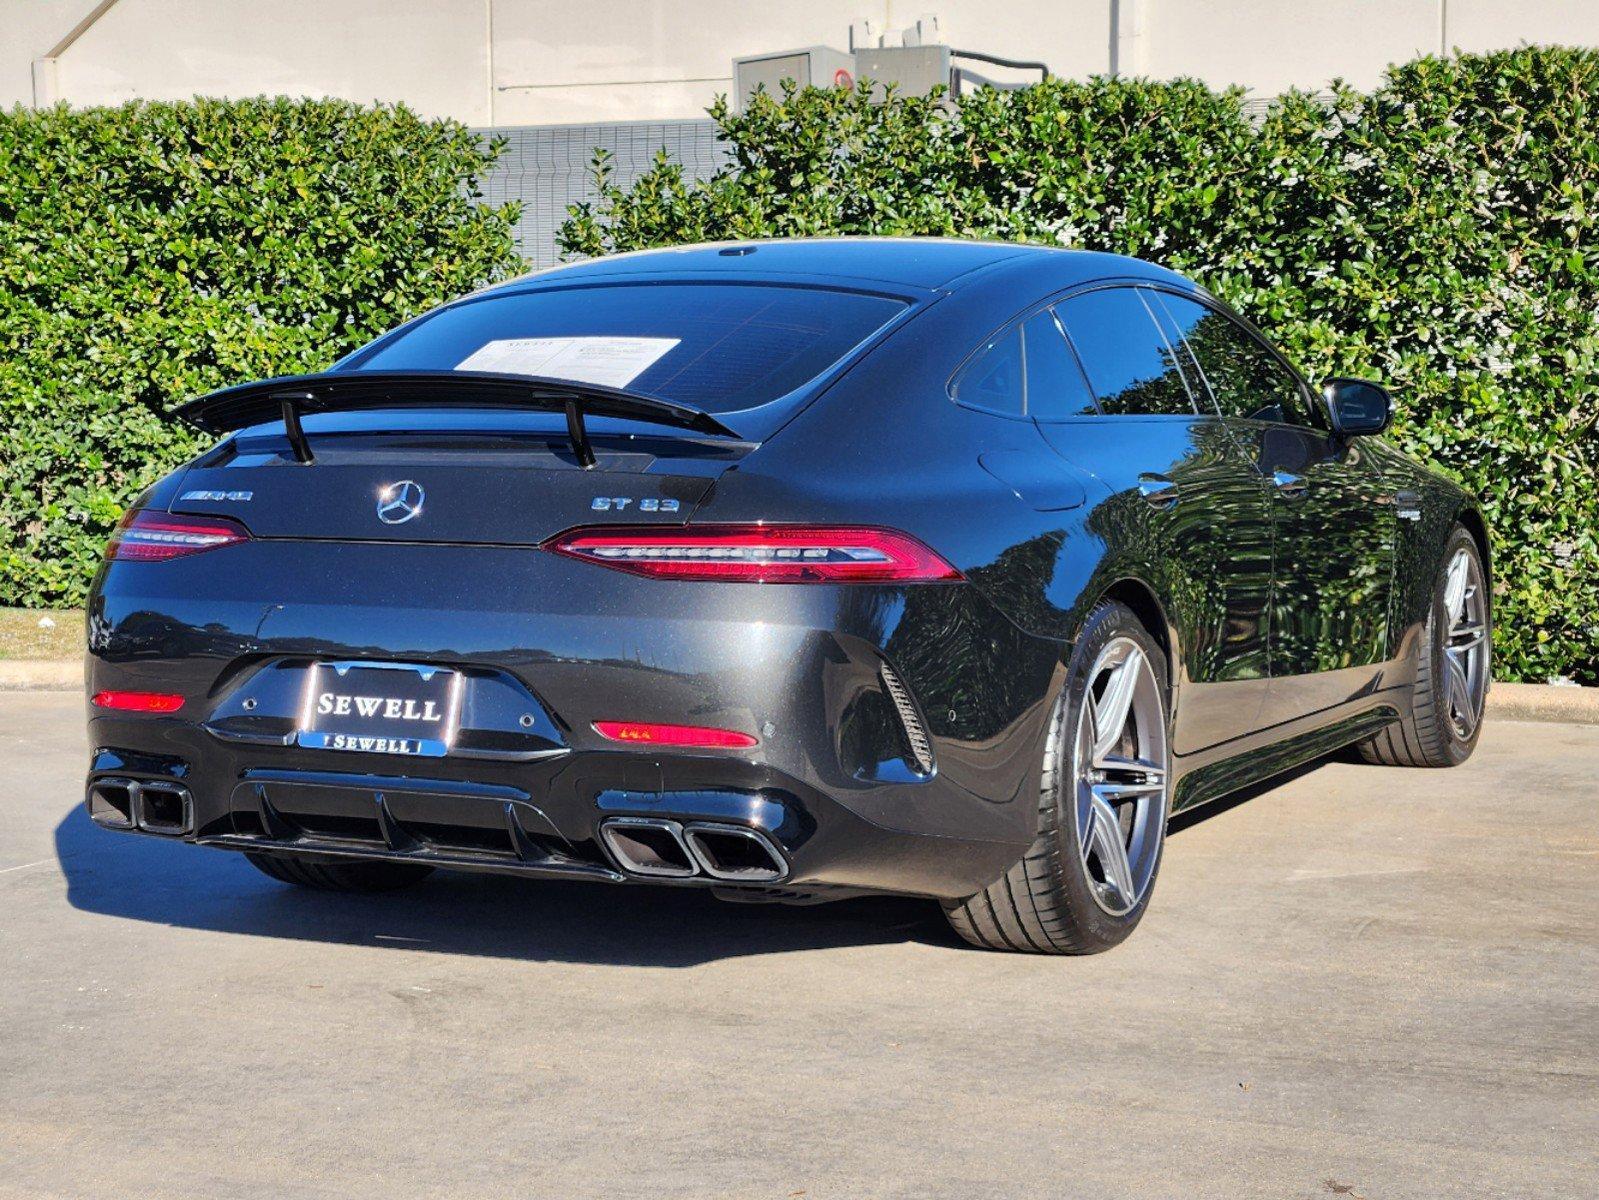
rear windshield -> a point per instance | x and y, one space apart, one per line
717 347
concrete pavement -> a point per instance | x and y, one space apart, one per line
1361 982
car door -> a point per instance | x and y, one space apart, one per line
1188 510
1333 543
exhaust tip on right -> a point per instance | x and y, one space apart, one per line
163 808
735 853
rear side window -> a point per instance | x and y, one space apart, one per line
1246 378
716 347
1028 370
1130 365
1055 383
993 378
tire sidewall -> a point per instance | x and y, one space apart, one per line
1107 622
1456 749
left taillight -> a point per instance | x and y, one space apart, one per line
759 553
145 536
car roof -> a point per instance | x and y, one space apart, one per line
920 263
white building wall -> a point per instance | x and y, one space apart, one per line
1497 24
652 59
433 54
539 61
1269 45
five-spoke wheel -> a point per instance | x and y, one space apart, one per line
1465 604
1441 716
1120 768
1103 799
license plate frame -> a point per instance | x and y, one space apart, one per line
408 709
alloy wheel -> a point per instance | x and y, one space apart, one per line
1121 768
1466 643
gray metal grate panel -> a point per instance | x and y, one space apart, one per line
546 167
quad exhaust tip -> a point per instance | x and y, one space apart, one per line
647 846
660 848
735 852
154 806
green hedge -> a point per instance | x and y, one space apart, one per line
153 252
1436 233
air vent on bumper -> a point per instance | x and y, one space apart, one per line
921 745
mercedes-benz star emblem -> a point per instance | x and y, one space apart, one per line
400 502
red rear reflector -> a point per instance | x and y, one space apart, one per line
759 553
674 735
145 536
145 702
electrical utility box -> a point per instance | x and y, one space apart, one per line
813 66
913 70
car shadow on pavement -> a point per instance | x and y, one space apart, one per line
148 879
458 912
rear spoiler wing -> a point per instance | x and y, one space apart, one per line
291 397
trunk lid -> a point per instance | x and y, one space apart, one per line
489 485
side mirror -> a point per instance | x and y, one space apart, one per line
1357 407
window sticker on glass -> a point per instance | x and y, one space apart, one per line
610 361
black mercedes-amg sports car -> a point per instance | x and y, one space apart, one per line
794 570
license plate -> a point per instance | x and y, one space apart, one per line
380 708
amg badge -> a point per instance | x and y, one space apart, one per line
217 496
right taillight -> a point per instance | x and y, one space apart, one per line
645 733
759 553
145 536
142 702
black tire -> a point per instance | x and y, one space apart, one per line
339 876
1043 904
1424 736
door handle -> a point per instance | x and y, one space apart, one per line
1289 484
1157 490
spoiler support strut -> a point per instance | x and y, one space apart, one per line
291 424
579 433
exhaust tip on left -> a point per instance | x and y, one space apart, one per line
111 803
649 846
154 806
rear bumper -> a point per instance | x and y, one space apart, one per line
549 646
549 818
